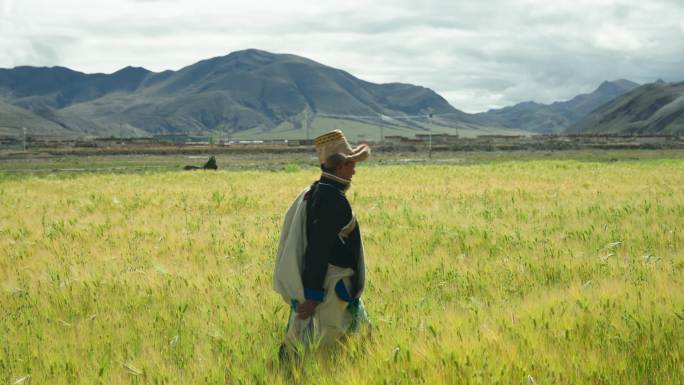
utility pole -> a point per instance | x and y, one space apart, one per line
430 134
383 118
306 123
23 129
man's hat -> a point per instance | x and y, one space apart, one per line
334 142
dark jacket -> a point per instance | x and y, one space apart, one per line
328 212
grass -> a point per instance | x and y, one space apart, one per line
500 271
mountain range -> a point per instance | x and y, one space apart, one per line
556 117
652 108
257 94
246 90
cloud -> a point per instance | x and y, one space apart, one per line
6 8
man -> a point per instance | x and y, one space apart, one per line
320 267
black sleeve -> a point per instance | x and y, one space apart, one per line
330 212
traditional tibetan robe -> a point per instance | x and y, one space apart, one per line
320 257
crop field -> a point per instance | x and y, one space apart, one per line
514 271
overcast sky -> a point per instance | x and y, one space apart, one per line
476 54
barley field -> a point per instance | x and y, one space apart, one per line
508 272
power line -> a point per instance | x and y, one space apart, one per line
383 116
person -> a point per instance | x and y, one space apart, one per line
320 268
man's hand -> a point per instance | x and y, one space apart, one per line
306 309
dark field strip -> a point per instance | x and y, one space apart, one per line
37 164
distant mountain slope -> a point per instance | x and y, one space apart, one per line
12 118
555 117
656 108
57 87
244 90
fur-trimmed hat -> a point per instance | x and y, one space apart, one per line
334 142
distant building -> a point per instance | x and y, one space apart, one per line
504 137
299 142
437 138
275 141
181 138
394 139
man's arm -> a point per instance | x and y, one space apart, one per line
331 213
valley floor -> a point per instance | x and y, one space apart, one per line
40 163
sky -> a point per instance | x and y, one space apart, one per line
476 54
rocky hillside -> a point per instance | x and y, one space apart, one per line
656 108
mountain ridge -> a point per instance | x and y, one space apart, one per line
254 92
558 116
242 90
655 108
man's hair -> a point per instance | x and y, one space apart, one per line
332 162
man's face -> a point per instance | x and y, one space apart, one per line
346 170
